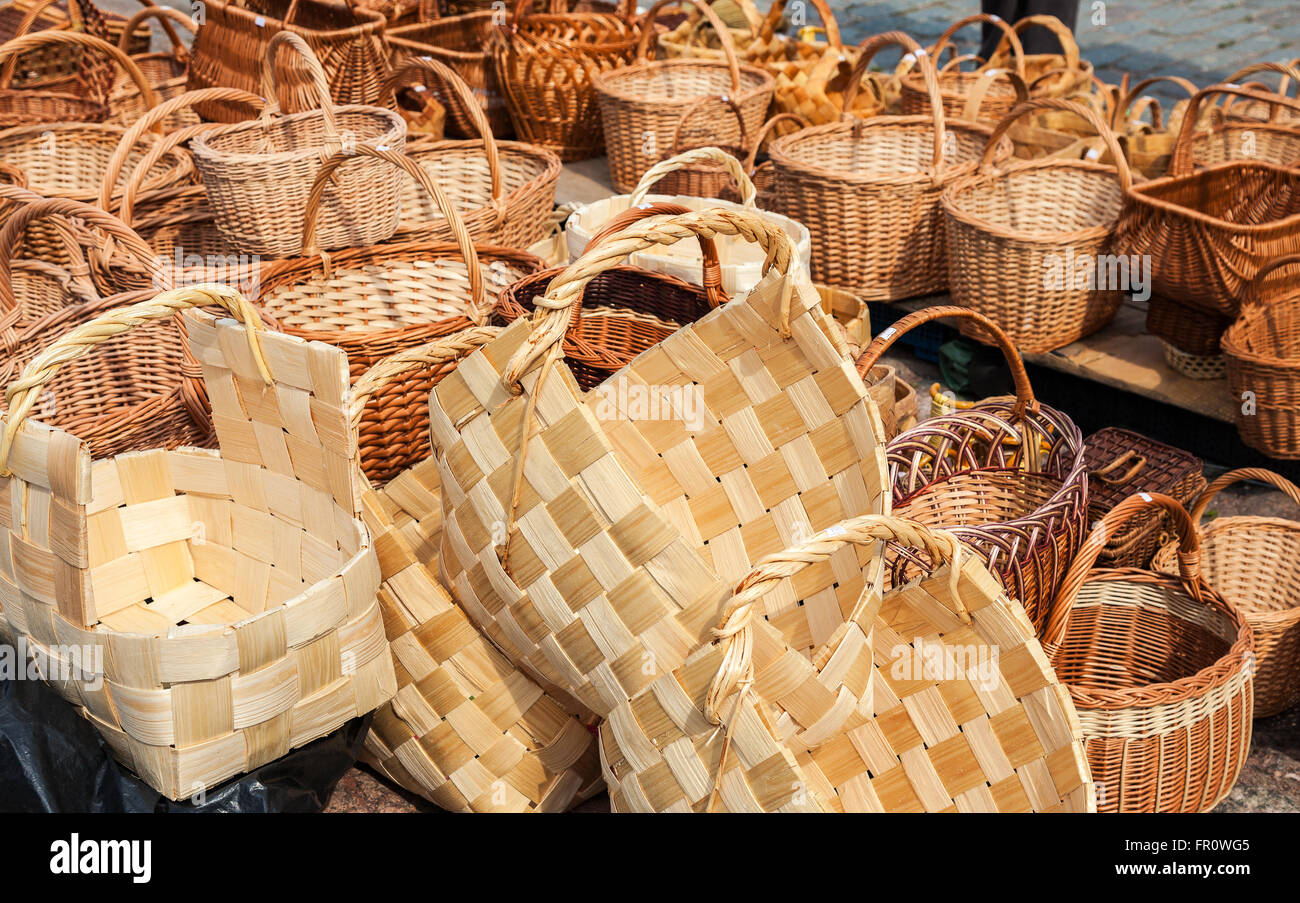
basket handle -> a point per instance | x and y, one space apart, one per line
735 628
1256 283
1009 36
1289 74
1066 106
699 155
1107 473
11 50
866 51
25 391
751 160
1123 111
712 277
830 26
479 309
151 121
1189 554
135 181
1181 161
728 101
1025 400
1236 476
469 102
1056 27
316 73
724 36
180 52
975 99
554 309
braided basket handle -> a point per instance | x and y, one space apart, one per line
1066 106
11 50
751 160
748 193
552 313
648 35
866 52
1181 161
1008 35
24 392
871 355
180 52
1189 548
315 73
1236 476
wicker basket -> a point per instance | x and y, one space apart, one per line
1208 232
377 300
869 191
1262 111
1006 476
1121 463
709 178
202 630
1189 329
994 100
1251 561
349 43
731 728
545 65
83 101
466 730
742 262
503 190
1262 354
613 486
1159 668
1052 74
1242 131
1017 235
34 286
257 174
764 175
60 66
166 71
641 104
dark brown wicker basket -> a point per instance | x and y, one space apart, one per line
1187 328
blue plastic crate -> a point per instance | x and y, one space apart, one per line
924 340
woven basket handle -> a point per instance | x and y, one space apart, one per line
699 155
1236 476
1008 36
831 27
23 394
1289 73
553 311
751 160
11 50
1255 286
315 72
1056 27
975 99
735 628
180 52
1189 551
712 275
871 355
478 308
1123 113
1042 104
152 121
1132 459
1181 161
135 181
866 51
728 101
648 35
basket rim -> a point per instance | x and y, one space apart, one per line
607 83
374 23
201 149
1139 195
1233 347
397 37
517 149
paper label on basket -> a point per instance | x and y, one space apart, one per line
909 58
420 89
382 147
260 21
995 17
992 73
1093 154
1144 496
887 333
836 530
920 52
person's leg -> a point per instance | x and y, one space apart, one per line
1035 40
1007 11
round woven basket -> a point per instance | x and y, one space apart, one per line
258 174
1254 563
868 191
994 100
641 105
377 300
1006 476
85 100
1053 74
1160 669
1018 236
166 71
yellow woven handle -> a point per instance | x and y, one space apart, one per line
25 391
698 155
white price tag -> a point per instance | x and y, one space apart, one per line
1144 496
1093 154
836 530
260 21
887 333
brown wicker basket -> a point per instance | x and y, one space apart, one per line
166 71
1052 74
1262 350
378 300
1252 562
994 101
763 175
705 178
1006 476
349 42
257 174
61 67
868 191
82 101
1016 237
1160 669
641 104
1121 463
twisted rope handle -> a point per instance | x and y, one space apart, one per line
1065 106
1181 161
648 34
24 392
11 50
180 52
315 72
699 155
1008 35
1236 476
866 51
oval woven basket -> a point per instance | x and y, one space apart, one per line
212 609
1053 74
994 100
34 286
1006 476
166 71
1160 669
1019 236
377 300
467 730
868 191
1252 562
257 174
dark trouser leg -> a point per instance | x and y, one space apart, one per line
1035 40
